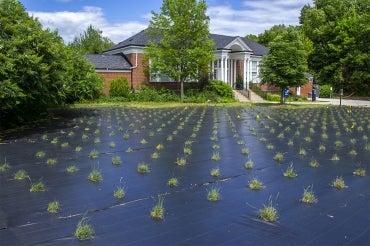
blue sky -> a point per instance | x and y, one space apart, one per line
119 19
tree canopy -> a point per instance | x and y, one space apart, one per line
286 64
91 42
340 34
36 68
184 48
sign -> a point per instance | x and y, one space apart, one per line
285 93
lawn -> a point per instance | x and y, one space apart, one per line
144 176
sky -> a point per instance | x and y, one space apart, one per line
120 19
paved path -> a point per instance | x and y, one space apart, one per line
254 98
330 101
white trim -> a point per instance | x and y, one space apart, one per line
239 42
111 71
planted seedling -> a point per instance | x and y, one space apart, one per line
53 207
72 169
360 172
268 213
216 147
112 144
215 172
94 154
335 157
157 211
116 160
255 184
322 148
245 151
181 161
314 163
5 166
187 151
84 230
143 141
95 176
213 194
289 172
40 154
216 156
290 142
338 183
308 196
119 193
154 155
270 147
64 145
159 147
54 140
97 140
302 151
249 164
20 174
37 187
172 182
51 161
279 157
129 150
78 148
353 152
142 168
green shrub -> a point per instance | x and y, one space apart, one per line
220 88
273 97
119 87
324 91
148 94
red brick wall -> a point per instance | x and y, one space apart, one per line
139 77
109 76
305 89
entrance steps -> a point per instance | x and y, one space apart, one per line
248 96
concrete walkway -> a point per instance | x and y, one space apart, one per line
331 101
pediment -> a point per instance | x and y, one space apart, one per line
238 45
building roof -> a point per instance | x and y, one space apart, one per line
109 62
141 39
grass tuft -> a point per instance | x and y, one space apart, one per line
338 183
53 207
116 160
279 157
95 176
72 169
308 196
20 174
268 213
157 211
360 172
255 184
173 182
37 187
119 193
213 194
289 172
142 168
84 230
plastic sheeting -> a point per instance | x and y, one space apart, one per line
339 217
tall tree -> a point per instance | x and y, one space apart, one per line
91 42
286 64
184 48
36 68
340 34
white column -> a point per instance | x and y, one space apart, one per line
222 68
244 73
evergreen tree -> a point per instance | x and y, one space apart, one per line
185 48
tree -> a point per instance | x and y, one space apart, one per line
269 35
340 34
286 64
36 68
91 42
184 48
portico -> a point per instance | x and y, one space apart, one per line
236 59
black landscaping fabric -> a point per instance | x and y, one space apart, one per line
340 217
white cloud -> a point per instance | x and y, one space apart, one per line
72 24
254 17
